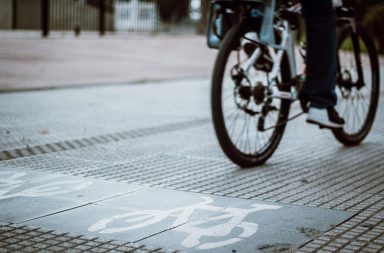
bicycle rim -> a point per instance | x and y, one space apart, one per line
236 128
357 105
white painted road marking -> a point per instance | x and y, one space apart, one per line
40 190
223 223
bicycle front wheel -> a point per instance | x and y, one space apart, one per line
248 124
358 86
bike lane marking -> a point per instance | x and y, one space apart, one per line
26 195
146 212
280 228
195 222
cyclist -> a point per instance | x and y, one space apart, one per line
319 88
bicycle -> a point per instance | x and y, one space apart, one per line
255 78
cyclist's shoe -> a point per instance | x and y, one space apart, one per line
265 62
325 118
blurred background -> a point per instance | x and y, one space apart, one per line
153 16
103 16
166 37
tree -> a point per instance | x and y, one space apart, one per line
373 21
173 11
361 6
370 15
204 9
108 4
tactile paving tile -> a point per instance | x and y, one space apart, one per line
20 238
362 233
339 180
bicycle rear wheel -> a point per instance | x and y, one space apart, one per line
248 124
358 86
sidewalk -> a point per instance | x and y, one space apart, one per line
123 169
42 63
29 62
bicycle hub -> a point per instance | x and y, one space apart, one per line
258 93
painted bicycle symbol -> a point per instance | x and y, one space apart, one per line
15 186
217 226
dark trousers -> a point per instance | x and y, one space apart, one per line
321 52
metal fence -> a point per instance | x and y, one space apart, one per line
95 15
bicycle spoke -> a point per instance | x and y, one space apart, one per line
247 140
228 97
257 138
233 123
366 104
355 119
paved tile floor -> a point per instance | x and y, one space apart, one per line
89 60
73 154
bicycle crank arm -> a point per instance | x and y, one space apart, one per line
262 129
284 95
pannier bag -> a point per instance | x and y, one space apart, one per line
221 20
223 14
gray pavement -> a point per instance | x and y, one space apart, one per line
29 62
138 169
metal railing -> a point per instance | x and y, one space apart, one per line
94 15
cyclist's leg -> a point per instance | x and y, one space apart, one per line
321 62
321 52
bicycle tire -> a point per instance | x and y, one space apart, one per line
348 136
230 43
